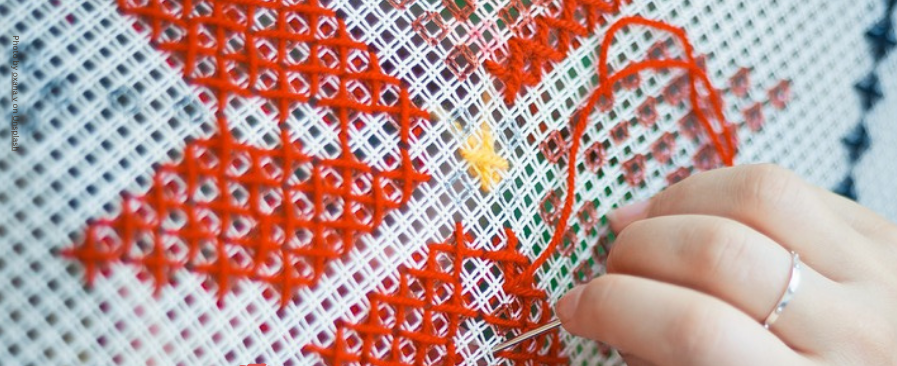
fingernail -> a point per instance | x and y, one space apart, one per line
566 306
623 216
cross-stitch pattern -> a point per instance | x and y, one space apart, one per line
277 215
410 182
420 317
546 40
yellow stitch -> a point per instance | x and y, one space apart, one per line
485 163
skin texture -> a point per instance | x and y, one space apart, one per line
696 269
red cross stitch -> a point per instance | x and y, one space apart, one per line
417 317
232 211
471 27
553 34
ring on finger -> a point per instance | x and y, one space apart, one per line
788 294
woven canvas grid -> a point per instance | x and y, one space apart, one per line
108 323
101 109
876 169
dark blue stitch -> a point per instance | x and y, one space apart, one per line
869 90
882 41
857 142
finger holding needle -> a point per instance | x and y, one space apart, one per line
527 335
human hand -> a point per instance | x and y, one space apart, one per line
695 271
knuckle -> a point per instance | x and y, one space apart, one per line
720 246
767 186
696 331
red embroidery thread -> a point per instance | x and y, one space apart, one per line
721 137
415 321
553 37
473 38
391 333
232 211
373 330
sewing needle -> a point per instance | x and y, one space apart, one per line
533 333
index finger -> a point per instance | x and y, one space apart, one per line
771 200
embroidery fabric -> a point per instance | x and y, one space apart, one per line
332 182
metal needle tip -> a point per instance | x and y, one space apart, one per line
533 333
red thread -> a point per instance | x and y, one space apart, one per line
722 141
474 35
417 322
231 211
554 36
394 340
357 343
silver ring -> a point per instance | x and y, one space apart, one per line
788 294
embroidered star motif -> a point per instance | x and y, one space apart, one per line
485 163
847 189
882 39
869 90
857 142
